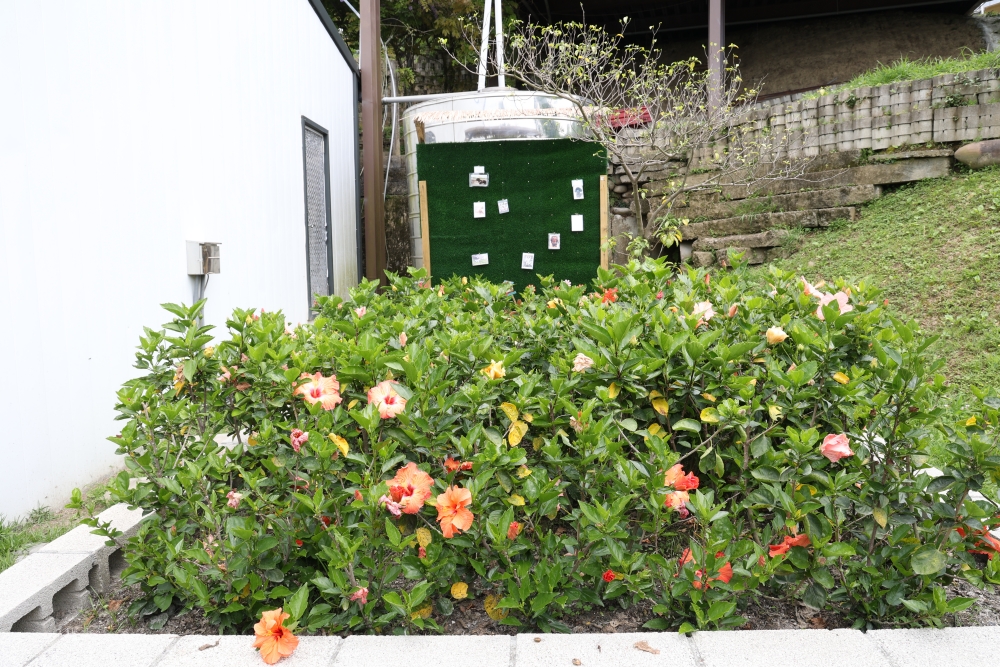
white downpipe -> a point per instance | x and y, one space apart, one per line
483 53
501 79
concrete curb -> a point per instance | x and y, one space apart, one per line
745 648
52 582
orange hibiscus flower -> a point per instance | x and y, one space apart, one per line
787 543
452 513
676 478
319 389
410 488
273 639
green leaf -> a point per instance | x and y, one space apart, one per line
190 367
296 606
766 474
720 609
838 550
392 532
687 425
657 624
814 596
927 560
629 424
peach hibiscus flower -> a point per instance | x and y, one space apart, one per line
775 335
703 311
582 362
453 514
835 447
273 639
842 303
410 488
385 398
319 389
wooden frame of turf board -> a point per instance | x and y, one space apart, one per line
536 178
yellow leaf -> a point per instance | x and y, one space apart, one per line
424 536
661 406
841 377
341 443
971 421
252 440
710 416
654 429
613 391
423 612
528 418
753 382
759 360
517 431
523 472
516 500
880 516
460 590
707 396
537 443
494 612
774 411
350 406
654 394
510 410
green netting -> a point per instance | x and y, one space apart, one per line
535 177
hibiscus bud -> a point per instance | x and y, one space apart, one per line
422 552
732 310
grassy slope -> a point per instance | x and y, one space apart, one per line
934 247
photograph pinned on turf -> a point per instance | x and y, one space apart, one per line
577 188
479 180
576 222
554 242
479 209
528 260
504 206
481 259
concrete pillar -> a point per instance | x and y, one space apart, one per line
371 139
716 49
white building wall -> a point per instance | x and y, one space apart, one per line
127 128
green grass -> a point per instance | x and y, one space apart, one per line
16 536
43 525
934 248
905 69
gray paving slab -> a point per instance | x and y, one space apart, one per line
426 651
939 648
801 648
83 650
604 650
26 646
238 651
78 540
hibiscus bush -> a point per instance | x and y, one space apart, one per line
691 440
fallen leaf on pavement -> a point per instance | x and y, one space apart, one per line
643 646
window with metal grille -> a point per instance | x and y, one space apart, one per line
319 252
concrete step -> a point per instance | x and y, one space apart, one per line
704 258
768 239
751 224
796 201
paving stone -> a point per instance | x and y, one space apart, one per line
803 648
604 650
25 647
238 651
426 651
931 647
83 650
32 583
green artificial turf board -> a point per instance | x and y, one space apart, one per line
535 177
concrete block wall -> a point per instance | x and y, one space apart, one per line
50 585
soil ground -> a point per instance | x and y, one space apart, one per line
109 616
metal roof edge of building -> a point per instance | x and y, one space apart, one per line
327 22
